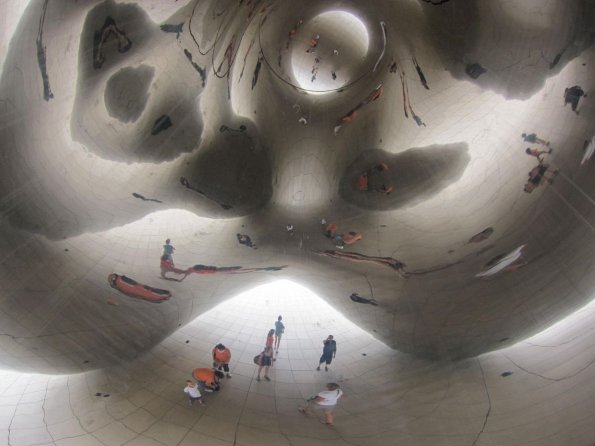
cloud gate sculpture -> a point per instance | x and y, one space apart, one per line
413 176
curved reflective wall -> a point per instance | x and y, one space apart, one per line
423 166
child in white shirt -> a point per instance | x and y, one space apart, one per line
193 393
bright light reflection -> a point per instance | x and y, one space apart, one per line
354 42
305 314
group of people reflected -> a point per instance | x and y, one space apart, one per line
542 172
209 379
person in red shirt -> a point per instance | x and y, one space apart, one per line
221 358
537 153
270 338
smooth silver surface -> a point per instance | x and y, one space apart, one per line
128 123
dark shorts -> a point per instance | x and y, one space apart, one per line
266 360
326 357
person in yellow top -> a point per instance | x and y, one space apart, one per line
221 358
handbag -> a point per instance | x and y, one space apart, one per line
258 359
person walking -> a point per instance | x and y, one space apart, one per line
329 351
537 153
325 401
193 393
221 358
533 139
168 250
264 361
270 341
279 330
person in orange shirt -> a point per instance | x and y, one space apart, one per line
221 358
208 378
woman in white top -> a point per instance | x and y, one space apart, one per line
325 401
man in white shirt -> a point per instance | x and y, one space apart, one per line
193 393
325 401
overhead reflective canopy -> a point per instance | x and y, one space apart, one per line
425 167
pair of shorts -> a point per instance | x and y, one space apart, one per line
325 408
328 358
266 360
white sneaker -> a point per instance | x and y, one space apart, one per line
229 375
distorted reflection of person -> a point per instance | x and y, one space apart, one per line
572 96
504 262
532 138
166 265
481 236
376 179
168 249
347 239
362 300
589 149
537 153
244 239
537 175
340 240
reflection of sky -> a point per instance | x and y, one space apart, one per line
12 13
352 41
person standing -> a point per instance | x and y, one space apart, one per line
221 358
589 149
329 351
193 393
168 250
325 401
264 360
279 330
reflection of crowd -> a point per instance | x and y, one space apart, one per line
538 175
541 172
343 239
209 379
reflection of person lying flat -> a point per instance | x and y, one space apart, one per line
209 269
357 257
362 300
509 262
132 288
350 238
